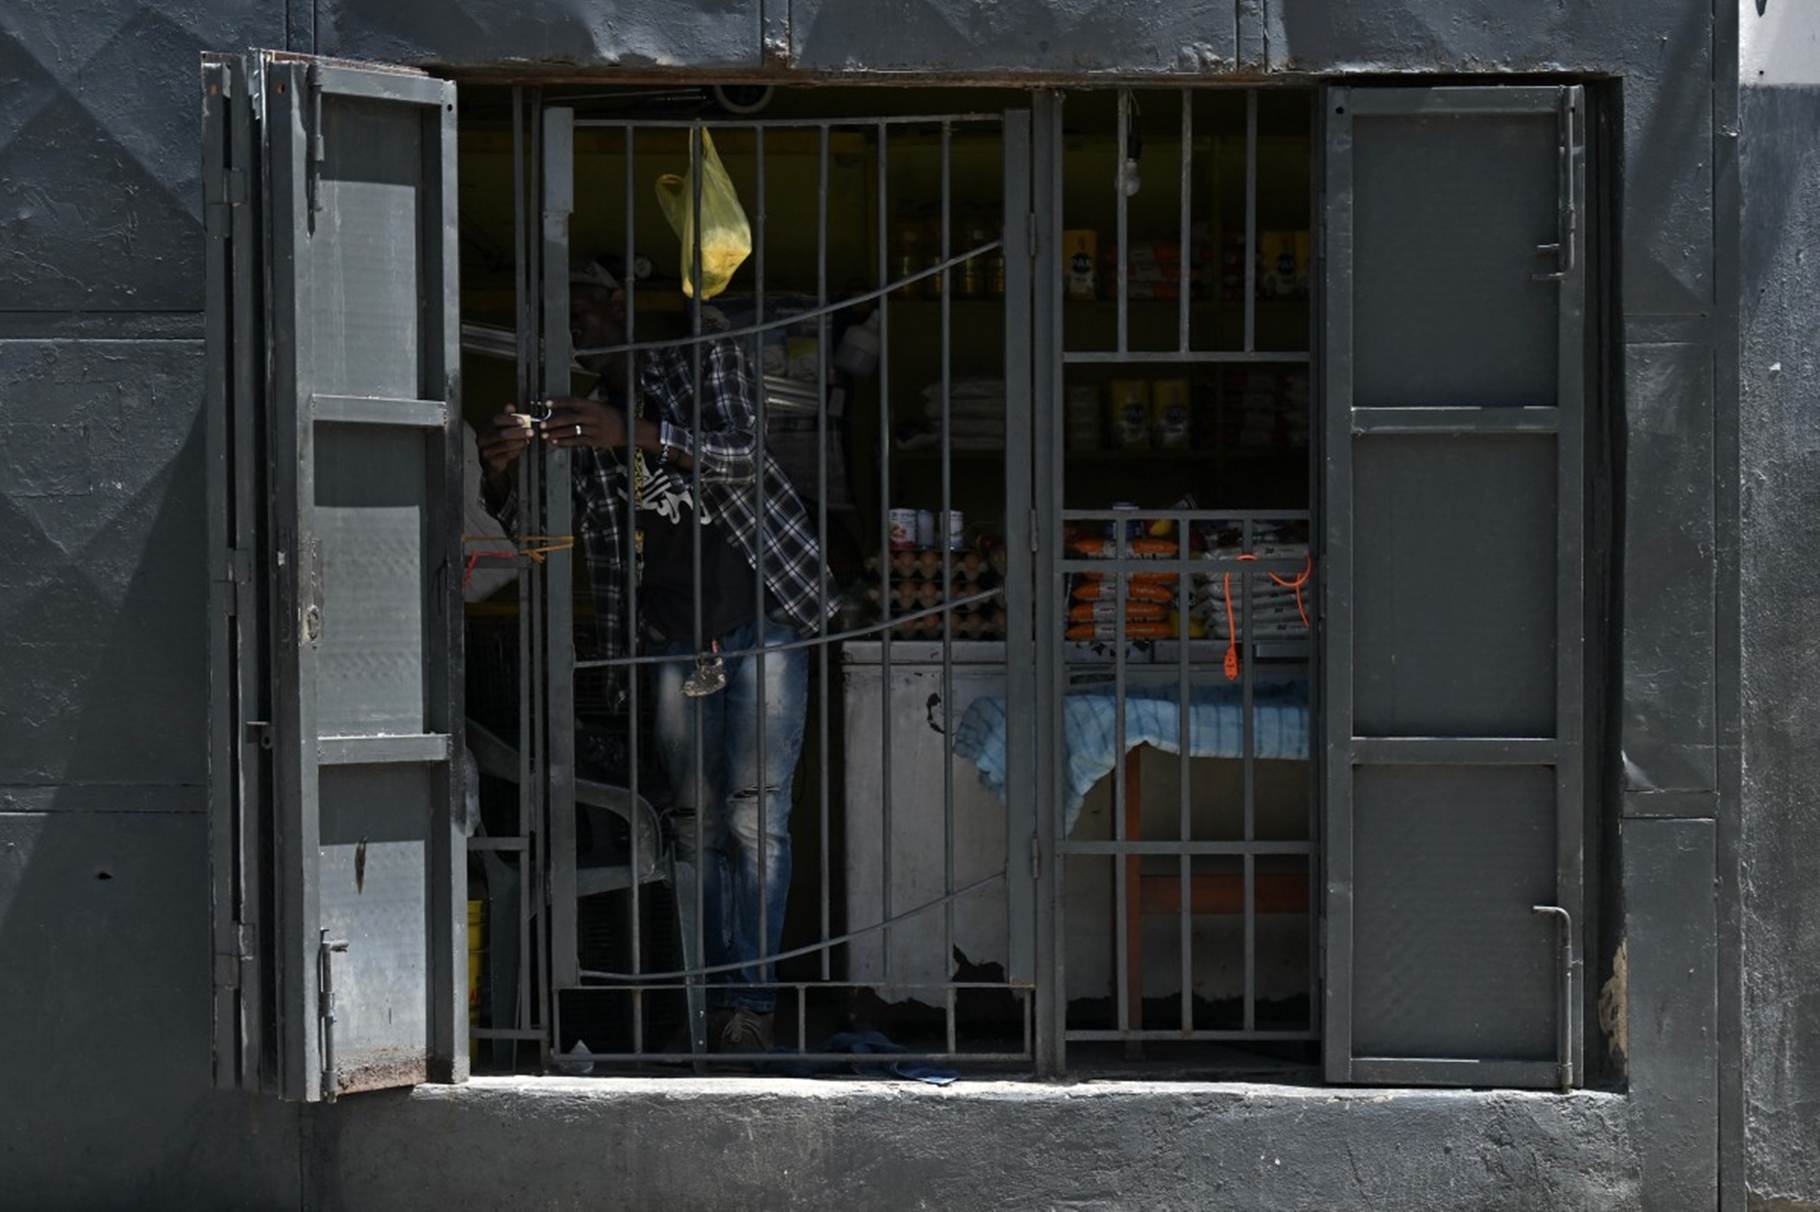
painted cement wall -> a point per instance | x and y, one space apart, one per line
1778 1082
103 910
1779 171
104 921
819 1144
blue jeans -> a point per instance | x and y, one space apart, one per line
733 798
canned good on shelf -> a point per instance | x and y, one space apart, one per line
1129 406
1083 417
1171 417
903 529
1080 257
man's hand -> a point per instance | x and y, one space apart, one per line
572 421
575 421
501 440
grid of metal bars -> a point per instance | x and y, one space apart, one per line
1183 664
1038 665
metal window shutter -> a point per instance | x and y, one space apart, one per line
1453 385
338 703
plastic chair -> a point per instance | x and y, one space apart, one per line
600 868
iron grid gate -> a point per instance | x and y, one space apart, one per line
1168 626
1198 924
930 893
852 463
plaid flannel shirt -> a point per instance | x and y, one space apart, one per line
742 488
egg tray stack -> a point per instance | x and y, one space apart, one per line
916 580
1144 600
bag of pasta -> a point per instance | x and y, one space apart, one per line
726 235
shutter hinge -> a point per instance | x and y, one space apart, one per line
316 146
1030 231
257 733
1036 858
1320 968
286 588
230 188
228 962
1034 545
236 571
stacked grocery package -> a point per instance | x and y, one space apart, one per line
1279 601
1280 266
1132 605
965 414
1137 605
1260 407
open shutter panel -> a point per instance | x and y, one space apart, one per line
239 771
358 402
1455 402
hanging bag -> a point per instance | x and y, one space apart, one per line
726 236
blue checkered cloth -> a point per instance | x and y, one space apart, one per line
1153 716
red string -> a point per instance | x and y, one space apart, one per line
1301 580
1232 627
545 545
1232 630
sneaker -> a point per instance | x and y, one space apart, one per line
737 1029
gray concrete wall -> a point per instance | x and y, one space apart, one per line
104 923
103 886
751 1144
1779 175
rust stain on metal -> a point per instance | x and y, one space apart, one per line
360 867
383 1070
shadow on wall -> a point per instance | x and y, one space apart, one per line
1463 36
100 201
103 589
104 907
1022 35
104 934
585 33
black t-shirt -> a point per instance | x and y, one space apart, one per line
668 518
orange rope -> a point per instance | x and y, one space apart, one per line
1232 627
1307 568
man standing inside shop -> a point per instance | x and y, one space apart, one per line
727 575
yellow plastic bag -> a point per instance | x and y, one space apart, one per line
726 235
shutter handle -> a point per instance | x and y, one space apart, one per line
1564 946
1567 219
312 611
325 974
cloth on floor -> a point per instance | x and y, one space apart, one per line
870 1044
1152 716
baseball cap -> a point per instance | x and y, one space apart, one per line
592 273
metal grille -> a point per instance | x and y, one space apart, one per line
1176 622
907 306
